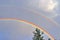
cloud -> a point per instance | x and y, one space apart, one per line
50 7
47 6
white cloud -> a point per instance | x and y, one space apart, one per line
48 5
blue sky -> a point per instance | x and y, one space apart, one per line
34 11
13 30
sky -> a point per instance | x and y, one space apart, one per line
13 30
45 13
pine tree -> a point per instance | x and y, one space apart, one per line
38 35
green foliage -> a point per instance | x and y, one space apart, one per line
38 35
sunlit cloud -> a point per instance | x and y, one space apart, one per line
48 5
51 5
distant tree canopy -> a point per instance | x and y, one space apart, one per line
38 35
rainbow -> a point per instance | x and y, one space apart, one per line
39 14
34 25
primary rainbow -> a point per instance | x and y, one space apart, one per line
34 25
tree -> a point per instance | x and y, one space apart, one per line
38 35
49 39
